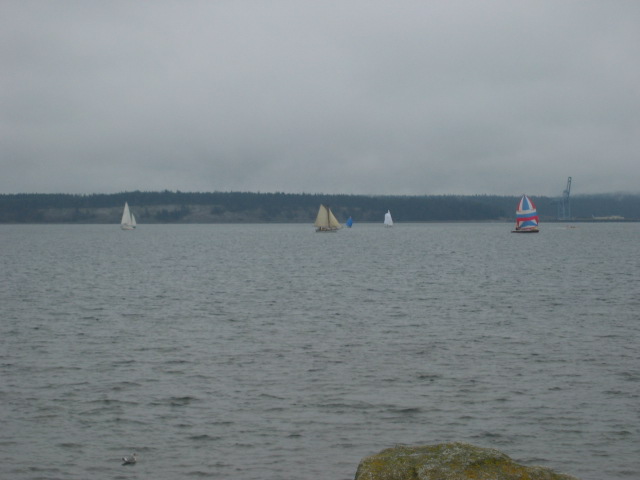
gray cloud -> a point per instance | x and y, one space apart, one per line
337 97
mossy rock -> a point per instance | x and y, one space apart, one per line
448 461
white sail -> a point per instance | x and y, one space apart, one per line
326 220
387 219
322 219
128 221
333 221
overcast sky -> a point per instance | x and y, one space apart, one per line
345 96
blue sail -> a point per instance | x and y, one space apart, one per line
349 222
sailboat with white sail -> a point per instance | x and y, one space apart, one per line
388 221
526 216
128 221
326 220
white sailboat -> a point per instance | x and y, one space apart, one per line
128 221
388 221
326 221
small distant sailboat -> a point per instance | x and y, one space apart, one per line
128 221
326 221
349 222
526 217
388 221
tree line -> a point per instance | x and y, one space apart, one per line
226 207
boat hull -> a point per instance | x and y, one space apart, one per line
525 231
326 230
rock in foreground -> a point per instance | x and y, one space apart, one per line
448 461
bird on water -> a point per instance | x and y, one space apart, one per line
129 459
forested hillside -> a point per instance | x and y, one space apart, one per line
247 207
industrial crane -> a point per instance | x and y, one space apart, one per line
564 207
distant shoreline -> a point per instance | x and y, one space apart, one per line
242 207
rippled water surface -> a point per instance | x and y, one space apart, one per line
272 352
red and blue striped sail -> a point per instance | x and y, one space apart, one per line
526 214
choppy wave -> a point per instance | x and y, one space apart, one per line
272 352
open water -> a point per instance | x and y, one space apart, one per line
271 352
